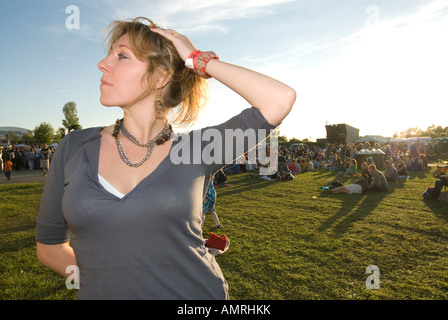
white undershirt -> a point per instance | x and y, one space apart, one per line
110 187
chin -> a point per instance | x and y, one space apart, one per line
106 103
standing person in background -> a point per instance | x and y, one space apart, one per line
45 159
208 207
8 169
38 157
1 158
17 159
31 158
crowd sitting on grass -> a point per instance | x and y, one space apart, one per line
343 157
397 160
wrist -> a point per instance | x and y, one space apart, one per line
197 61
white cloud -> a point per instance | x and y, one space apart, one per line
193 15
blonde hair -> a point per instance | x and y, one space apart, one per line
186 91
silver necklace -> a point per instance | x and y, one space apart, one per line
161 138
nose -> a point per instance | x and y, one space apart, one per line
103 65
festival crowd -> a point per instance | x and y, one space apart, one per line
25 158
396 159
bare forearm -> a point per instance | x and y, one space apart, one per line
56 257
273 98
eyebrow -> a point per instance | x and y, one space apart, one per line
123 45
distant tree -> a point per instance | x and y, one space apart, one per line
43 133
12 137
59 134
439 131
432 131
282 139
294 140
411 132
71 121
28 138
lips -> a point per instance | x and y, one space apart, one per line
105 83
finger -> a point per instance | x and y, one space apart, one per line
183 45
167 33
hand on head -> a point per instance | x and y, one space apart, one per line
182 44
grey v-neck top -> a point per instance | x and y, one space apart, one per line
148 244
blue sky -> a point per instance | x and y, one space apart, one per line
378 65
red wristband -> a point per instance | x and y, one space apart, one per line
198 60
191 60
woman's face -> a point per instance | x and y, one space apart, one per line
121 82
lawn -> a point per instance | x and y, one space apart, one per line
289 241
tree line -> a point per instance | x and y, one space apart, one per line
432 131
44 133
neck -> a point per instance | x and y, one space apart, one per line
140 120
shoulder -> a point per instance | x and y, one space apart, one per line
81 136
250 118
85 133
75 139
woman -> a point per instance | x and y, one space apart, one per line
352 169
132 216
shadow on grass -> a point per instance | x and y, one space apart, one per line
18 244
420 174
243 182
439 208
354 207
20 189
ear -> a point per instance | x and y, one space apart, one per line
163 80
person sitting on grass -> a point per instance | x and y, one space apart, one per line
293 166
416 165
391 173
402 169
365 173
309 165
351 171
370 161
302 165
379 182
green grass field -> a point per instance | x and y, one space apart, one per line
289 240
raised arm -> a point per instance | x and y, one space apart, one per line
273 98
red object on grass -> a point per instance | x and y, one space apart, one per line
217 242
